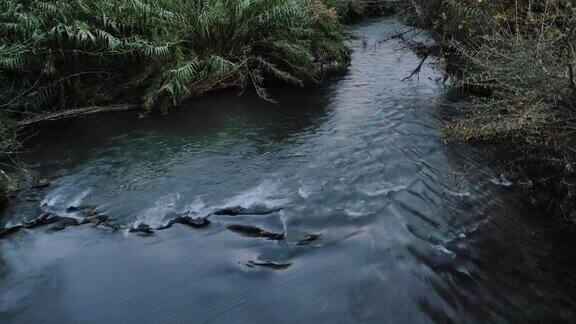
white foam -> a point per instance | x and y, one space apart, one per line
77 200
51 200
198 207
353 213
155 215
265 194
58 201
376 192
304 192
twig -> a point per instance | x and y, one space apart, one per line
418 68
76 112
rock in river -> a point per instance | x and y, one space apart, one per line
65 222
43 219
41 183
4 233
268 264
254 210
309 239
142 228
188 221
252 231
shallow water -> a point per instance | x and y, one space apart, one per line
409 230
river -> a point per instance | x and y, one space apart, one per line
376 220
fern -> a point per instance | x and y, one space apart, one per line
58 54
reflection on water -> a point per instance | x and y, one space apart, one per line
380 222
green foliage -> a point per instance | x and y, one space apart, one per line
62 53
3 189
347 8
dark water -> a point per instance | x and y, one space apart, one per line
410 231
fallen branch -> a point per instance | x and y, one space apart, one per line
76 112
418 68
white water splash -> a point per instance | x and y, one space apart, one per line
354 213
376 190
77 200
198 208
156 215
51 200
58 201
265 194
304 192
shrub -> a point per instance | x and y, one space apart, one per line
516 61
59 54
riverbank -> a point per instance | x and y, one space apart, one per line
515 62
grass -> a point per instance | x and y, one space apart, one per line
516 61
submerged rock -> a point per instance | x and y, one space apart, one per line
238 210
43 219
268 264
142 228
85 208
41 183
188 221
252 231
65 222
309 239
72 209
4 233
98 219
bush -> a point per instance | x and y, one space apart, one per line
516 60
60 54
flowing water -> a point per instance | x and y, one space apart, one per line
382 223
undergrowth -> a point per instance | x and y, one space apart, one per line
515 60
60 54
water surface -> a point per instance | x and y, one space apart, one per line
409 230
